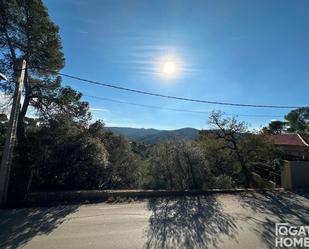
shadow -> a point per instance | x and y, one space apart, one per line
275 207
302 193
188 222
18 226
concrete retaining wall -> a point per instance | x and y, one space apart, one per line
50 198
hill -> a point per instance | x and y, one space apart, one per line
153 136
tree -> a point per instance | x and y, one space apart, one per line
26 32
65 155
123 169
220 160
178 165
276 127
298 120
247 148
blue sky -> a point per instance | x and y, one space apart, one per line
253 52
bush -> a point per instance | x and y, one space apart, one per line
178 165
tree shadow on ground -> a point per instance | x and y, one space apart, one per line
188 222
304 194
18 226
276 207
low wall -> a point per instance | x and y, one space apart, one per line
295 175
63 197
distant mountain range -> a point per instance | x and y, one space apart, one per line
153 136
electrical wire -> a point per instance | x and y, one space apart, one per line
178 110
170 96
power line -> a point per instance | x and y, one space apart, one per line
170 96
174 109
143 105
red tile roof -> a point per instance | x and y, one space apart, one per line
289 139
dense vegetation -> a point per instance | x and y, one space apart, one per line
66 153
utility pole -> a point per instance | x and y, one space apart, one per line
10 137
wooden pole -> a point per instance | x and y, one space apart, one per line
10 138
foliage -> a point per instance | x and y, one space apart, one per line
123 167
3 118
238 148
298 120
26 32
220 160
142 149
65 155
178 165
275 127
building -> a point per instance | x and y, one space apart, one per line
295 146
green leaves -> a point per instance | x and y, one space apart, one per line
231 149
65 155
178 165
298 120
27 32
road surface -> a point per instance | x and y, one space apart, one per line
245 220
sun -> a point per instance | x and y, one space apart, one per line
169 68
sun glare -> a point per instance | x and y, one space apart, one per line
169 68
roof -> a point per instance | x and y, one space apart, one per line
293 139
305 137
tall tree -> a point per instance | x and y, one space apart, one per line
26 32
298 120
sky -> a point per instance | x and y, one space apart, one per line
252 52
